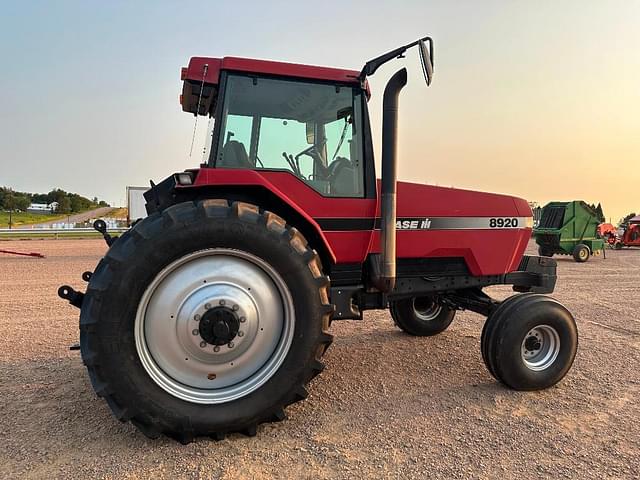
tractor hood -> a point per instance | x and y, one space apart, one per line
417 200
490 231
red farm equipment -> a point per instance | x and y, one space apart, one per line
631 234
608 233
212 314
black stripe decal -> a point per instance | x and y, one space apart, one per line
347 224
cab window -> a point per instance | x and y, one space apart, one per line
311 130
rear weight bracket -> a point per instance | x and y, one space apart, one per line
68 293
101 226
346 302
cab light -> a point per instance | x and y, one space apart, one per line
184 178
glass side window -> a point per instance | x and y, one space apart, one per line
311 130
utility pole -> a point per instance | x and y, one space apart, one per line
10 208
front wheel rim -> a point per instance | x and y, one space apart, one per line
426 309
244 303
540 348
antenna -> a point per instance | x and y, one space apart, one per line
195 124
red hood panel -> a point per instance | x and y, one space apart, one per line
416 200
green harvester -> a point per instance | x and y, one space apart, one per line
569 228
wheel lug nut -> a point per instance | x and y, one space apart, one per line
235 308
203 344
241 334
195 331
230 345
216 348
242 319
222 302
196 317
207 306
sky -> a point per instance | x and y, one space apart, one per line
536 99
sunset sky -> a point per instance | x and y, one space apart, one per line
535 99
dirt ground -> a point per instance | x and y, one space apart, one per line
387 405
78 217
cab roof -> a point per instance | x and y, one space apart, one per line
195 70
200 84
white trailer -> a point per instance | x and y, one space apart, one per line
135 204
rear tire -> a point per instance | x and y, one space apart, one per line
170 379
581 253
422 316
544 252
529 342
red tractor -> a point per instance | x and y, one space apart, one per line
631 234
212 314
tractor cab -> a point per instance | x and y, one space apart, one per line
308 121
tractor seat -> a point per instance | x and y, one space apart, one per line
234 155
342 176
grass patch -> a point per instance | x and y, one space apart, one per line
120 212
26 218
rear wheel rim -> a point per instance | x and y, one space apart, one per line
583 253
540 348
182 358
426 309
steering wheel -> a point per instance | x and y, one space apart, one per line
312 151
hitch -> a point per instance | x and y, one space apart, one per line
68 293
101 226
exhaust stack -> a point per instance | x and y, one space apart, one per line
389 174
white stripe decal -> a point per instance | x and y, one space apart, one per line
463 223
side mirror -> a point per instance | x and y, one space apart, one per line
426 59
311 133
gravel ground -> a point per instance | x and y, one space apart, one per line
387 406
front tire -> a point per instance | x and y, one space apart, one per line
205 319
529 342
421 316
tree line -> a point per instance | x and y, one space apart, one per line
67 202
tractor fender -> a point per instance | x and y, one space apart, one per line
257 190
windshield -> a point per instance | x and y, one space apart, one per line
311 130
